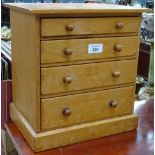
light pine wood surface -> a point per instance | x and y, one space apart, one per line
84 132
26 66
85 26
75 8
53 51
73 134
26 129
86 76
85 107
61 99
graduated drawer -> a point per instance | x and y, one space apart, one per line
86 76
84 26
79 49
71 109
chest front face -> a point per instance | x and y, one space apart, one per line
74 72
80 58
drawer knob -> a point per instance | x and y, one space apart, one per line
69 27
66 112
68 51
67 79
118 47
113 104
120 25
116 73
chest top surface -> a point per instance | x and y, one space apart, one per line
76 8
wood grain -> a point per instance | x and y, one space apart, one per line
75 8
86 90
88 61
84 132
86 76
79 83
26 66
85 107
49 38
53 51
23 125
85 26
74 134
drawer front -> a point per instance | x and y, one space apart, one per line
82 49
71 109
79 77
84 26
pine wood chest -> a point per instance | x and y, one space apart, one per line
74 68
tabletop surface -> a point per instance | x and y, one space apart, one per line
140 142
53 8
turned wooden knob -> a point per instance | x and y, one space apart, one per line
70 27
117 47
67 79
68 51
116 73
119 25
66 112
113 104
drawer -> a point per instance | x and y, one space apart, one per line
85 26
82 49
71 109
86 76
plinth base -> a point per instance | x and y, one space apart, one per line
72 134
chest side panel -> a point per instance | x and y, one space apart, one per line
26 66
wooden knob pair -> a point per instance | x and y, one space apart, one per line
68 51
119 25
68 79
67 112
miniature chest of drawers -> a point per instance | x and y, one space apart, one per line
74 70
